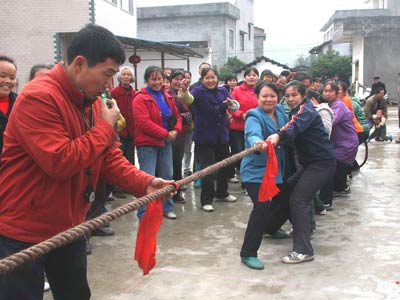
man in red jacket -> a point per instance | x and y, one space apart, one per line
59 139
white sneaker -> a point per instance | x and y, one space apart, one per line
233 180
170 215
208 208
46 286
228 198
296 258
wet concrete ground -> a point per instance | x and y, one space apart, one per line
356 245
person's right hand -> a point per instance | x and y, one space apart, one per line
171 136
185 84
157 184
110 111
262 144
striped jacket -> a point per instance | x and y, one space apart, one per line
307 131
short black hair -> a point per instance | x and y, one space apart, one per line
204 63
266 72
96 44
206 70
248 70
285 73
378 90
300 87
333 85
37 67
300 76
8 59
176 73
262 84
152 69
230 77
343 85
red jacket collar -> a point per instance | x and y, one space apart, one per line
70 89
121 91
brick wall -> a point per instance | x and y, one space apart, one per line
29 27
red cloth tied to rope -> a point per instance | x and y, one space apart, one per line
146 241
268 187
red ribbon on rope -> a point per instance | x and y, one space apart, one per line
268 188
146 241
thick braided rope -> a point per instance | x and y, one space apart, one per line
34 252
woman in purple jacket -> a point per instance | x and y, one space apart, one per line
211 134
345 141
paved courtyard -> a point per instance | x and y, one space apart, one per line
356 245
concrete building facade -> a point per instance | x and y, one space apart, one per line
33 33
228 29
374 37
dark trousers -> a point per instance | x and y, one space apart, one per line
209 155
379 132
178 149
65 269
265 217
303 185
338 184
128 149
236 142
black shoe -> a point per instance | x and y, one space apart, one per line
179 199
119 194
188 173
103 231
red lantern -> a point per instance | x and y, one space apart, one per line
135 59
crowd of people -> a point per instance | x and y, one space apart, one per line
64 142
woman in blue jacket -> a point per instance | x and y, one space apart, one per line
316 157
268 216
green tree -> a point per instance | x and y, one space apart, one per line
304 60
330 64
232 66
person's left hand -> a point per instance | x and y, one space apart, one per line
159 183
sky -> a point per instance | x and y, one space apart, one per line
292 26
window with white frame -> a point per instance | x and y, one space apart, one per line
127 5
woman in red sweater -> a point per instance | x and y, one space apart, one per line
157 124
247 99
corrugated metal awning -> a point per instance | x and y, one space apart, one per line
170 48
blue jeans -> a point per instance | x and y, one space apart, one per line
187 155
65 269
156 161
